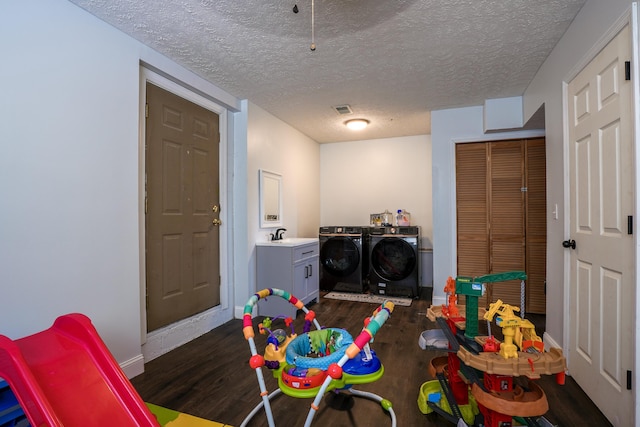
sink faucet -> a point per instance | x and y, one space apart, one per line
278 234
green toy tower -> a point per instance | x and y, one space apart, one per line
473 288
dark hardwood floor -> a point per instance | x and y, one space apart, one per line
210 377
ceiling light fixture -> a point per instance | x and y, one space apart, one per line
357 124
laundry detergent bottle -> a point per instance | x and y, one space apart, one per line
398 217
403 218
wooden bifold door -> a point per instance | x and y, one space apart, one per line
501 217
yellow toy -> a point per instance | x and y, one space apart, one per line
515 330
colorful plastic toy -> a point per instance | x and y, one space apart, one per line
518 333
484 382
315 362
451 309
66 376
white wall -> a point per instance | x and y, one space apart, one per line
363 177
449 127
370 176
591 24
277 147
465 124
70 172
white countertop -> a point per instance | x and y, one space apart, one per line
289 241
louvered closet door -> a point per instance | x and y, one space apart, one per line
506 217
472 211
536 226
500 220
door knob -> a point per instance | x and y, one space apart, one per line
569 244
216 222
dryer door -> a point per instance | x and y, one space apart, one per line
393 258
340 256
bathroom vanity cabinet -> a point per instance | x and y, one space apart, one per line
292 265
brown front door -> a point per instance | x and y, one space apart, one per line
182 208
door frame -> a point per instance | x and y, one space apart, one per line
628 18
152 343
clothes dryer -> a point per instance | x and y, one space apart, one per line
343 258
394 267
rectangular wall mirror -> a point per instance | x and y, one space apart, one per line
270 199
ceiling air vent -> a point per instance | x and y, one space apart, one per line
343 109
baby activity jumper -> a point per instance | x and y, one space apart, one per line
315 362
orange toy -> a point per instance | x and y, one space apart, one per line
451 309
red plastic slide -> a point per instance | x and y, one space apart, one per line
66 376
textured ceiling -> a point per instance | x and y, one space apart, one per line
392 61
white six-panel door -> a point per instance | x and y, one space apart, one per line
602 274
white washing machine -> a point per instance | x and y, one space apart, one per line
394 261
343 258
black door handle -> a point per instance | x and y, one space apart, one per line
569 244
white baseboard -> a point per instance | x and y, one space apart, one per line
173 336
549 342
133 367
439 300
